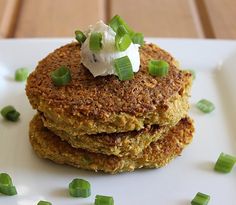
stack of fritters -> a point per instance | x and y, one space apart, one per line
106 124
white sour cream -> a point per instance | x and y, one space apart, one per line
101 63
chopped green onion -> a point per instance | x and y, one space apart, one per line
61 76
21 74
122 42
121 31
6 110
5 179
122 39
13 116
95 41
79 36
104 200
123 68
10 113
79 188
44 203
225 163
121 28
158 68
200 199
192 72
138 38
8 190
6 186
117 21
205 106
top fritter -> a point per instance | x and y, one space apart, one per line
109 81
89 105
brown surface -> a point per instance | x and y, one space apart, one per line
159 18
9 17
78 125
57 17
222 16
89 105
158 154
118 144
100 96
2 8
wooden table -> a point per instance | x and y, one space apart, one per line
157 18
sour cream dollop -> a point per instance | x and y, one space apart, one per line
101 63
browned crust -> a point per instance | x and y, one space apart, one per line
159 153
119 144
122 122
99 97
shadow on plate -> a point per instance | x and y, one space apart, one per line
183 202
60 193
206 166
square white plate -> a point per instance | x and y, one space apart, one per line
175 184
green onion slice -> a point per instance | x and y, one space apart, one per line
6 186
138 38
13 116
121 28
205 106
122 39
61 76
10 113
5 179
104 200
21 74
200 199
122 42
79 36
123 68
158 68
117 21
79 188
121 31
8 190
44 203
225 163
6 110
95 41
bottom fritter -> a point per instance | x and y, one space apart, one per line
47 145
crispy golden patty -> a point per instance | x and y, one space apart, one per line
118 144
157 154
91 105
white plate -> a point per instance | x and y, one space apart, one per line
175 184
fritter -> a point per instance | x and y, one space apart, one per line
119 144
91 105
47 145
